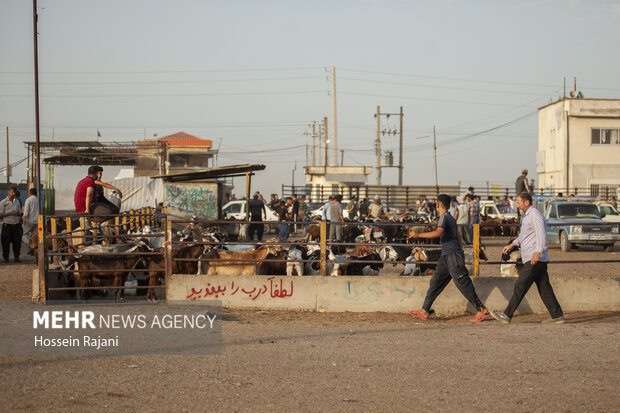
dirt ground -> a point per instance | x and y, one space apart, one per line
303 361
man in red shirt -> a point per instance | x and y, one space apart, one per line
85 193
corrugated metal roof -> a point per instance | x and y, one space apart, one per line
222 172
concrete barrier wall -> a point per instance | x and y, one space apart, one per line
388 294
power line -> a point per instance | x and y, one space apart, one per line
174 94
156 82
280 69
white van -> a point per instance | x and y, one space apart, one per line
491 209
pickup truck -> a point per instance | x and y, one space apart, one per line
578 223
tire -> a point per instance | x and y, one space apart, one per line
565 244
609 247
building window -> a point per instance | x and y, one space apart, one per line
605 137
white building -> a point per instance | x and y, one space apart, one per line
579 146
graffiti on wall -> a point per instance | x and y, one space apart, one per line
195 200
269 289
372 291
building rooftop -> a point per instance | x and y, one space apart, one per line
185 139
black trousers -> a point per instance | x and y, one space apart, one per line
451 267
528 275
11 234
258 229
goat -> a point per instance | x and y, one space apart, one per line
512 269
294 268
122 268
357 268
157 263
411 268
238 264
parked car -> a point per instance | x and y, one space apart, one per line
237 210
319 210
608 212
494 210
571 233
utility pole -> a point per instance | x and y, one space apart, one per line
36 103
313 143
326 141
400 149
564 87
334 121
342 157
378 146
8 163
320 158
435 150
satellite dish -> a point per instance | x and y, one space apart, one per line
576 94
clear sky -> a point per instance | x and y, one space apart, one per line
250 75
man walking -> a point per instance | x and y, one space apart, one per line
451 265
532 241
31 214
10 211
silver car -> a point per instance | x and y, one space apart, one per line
570 224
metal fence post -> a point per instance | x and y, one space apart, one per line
476 250
323 228
117 230
69 230
41 258
54 240
168 253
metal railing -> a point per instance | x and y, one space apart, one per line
75 238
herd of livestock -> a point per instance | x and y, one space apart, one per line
97 260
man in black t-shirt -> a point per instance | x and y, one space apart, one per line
257 213
364 207
295 212
451 265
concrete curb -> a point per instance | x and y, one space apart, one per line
386 294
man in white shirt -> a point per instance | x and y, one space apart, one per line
10 211
31 214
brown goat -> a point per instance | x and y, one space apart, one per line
237 265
